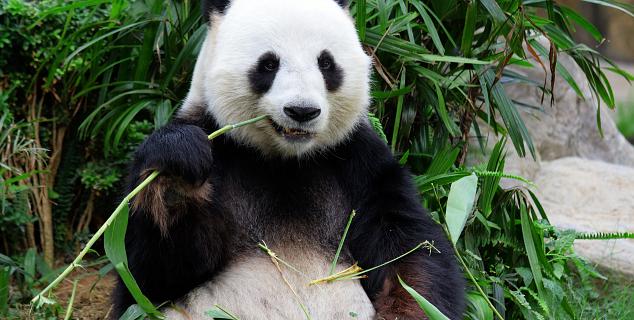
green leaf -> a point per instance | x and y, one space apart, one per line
494 9
459 205
425 183
623 7
469 28
433 32
114 245
134 312
443 114
531 250
480 306
5 273
514 124
430 310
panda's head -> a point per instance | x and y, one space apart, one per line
298 61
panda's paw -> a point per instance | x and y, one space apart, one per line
180 152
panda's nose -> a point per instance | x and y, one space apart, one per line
302 113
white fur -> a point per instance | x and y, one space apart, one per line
297 31
252 289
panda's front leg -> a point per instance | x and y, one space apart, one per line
173 241
391 221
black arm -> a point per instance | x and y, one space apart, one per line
392 221
174 241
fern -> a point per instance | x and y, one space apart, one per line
603 235
377 126
485 173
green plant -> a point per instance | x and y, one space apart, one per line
625 119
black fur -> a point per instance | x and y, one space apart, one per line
181 151
342 3
333 74
281 201
262 74
209 7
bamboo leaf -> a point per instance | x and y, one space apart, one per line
459 205
114 245
430 310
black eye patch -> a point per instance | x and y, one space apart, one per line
262 74
333 75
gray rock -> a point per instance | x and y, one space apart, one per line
591 196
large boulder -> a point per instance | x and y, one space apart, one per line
591 196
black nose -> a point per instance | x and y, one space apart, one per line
302 114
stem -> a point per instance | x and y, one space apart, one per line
343 239
233 316
230 127
120 207
391 261
484 295
69 309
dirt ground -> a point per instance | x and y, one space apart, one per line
92 299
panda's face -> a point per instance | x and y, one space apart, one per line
299 62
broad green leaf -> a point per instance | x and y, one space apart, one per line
114 245
134 312
459 204
494 9
469 28
443 161
480 306
531 250
430 310
360 18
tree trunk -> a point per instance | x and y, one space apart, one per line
44 208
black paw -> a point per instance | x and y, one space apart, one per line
178 151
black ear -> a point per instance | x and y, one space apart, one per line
342 3
213 6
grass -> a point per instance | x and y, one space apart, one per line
613 298
625 118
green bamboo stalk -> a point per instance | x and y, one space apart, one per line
71 301
343 239
120 207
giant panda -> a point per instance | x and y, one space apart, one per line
290 182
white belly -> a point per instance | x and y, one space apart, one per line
252 288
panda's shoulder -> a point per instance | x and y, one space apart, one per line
365 143
364 152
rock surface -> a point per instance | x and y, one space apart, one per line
591 196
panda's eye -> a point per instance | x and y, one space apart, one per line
325 62
270 65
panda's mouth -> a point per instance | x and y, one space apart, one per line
292 134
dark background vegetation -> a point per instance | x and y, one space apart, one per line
83 82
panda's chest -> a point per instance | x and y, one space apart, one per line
280 205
